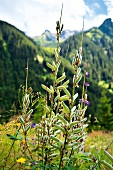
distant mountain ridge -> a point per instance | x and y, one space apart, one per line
16 48
49 39
107 27
97 50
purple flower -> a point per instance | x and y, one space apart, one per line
33 125
87 74
81 100
87 102
34 163
86 84
84 101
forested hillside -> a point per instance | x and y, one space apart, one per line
97 51
16 49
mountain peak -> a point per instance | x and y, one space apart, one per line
67 33
107 27
46 31
108 22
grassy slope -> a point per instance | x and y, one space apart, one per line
95 143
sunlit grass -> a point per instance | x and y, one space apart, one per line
96 142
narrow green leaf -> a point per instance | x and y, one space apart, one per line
77 130
29 113
65 159
53 155
78 71
60 87
79 78
64 98
84 120
60 128
107 165
57 140
19 135
76 147
57 97
72 144
75 96
74 123
74 137
56 146
46 88
65 107
22 120
73 109
67 92
60 79
108 155
50 66
62 119
12 137
47 109
65 83
27 128
85 126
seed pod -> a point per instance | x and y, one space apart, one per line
56 146
57 140
66 91
50 66
46 88
60 128
74 123
22 120
60 79
75 96
65 107
62 119
110 167
64 98
65 83
108 155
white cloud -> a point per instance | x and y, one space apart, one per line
109 4
34 16
96 21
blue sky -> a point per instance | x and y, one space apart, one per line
34 16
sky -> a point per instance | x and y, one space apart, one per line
35 16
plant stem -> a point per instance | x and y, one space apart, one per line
10 151
12 166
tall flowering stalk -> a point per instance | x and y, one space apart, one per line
60 135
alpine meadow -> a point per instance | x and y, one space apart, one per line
56 98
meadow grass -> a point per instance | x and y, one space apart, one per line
96 143
58 141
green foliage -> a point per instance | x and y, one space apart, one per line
98 51
105 115
16 49
60 134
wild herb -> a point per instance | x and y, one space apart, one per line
59 137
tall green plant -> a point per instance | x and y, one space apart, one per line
59 137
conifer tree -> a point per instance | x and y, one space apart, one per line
105 112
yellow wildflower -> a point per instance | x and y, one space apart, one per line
17 125
23 142
21 160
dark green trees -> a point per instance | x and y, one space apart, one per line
105 115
